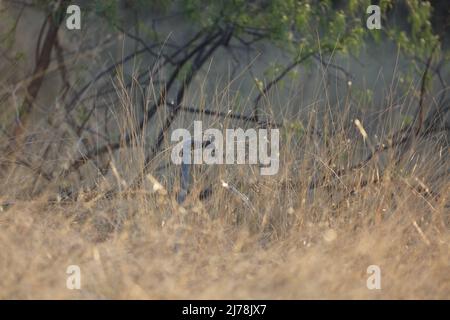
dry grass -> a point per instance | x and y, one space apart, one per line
194 256
313 232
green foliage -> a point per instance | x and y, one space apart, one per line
298 27
294 25
418 39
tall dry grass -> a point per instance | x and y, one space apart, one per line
311 231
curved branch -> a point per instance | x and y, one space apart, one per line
283 73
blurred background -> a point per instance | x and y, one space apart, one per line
85 173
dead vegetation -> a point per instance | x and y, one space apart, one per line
87 180
311 231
